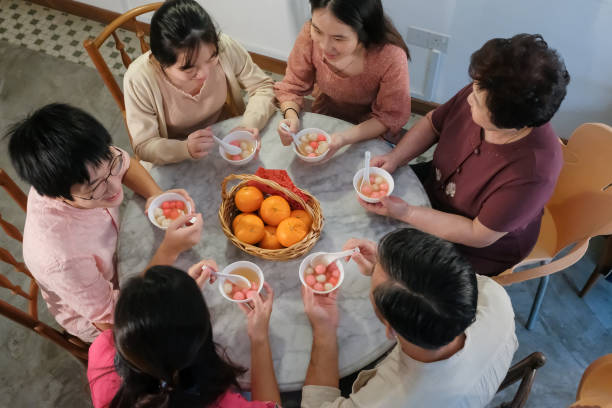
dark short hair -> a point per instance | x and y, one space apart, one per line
181 26
163 335
51 148
431 295
368 20
526 80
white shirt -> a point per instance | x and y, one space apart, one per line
469 378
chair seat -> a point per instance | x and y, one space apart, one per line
597 380
546 246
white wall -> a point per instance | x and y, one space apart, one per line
581 30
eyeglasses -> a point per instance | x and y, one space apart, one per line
102 187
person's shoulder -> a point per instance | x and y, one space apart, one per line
104 344
493 299
140 70
387 56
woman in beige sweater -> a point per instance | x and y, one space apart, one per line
187 82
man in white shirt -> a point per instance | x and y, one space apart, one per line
454 329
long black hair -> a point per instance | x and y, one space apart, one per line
181 26
166 355
368 20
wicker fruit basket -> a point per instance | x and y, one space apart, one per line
228 211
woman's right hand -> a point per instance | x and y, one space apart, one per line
200 142
258 311
366 257
385 162
202 272
294 125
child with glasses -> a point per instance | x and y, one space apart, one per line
72 222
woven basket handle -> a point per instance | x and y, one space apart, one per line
270 183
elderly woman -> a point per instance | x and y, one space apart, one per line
174 92
497 159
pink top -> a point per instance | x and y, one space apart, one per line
105 382
381 91
71 253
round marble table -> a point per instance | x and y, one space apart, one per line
361 336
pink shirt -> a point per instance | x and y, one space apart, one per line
381 91
104 381
71 252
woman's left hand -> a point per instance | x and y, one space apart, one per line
337 142
391 206
258 313
202 272
180 191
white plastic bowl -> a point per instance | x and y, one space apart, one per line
306 158
240 264
157 202
377 171
239 135
306 263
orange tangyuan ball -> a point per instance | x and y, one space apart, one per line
290 231
269 240
249 229
274 209
304 216
248 199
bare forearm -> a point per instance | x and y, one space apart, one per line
264 386
451 227
165 255
139 180
323 366
369 129
416 141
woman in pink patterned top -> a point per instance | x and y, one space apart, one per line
161 352
351 58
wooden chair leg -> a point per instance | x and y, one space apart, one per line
603 267
537 302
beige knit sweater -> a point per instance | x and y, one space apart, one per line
145 110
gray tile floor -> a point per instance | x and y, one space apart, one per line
572 332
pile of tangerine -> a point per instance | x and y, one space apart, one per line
268 223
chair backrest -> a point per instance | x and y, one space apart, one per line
581 204
596 382
524 371
92 45
29 319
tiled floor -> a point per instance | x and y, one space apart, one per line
60 34
571 331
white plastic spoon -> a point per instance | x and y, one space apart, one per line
233 150
326 259
296 140
366 171
237 280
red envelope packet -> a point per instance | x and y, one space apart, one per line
282 178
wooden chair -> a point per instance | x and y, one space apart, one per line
603 267
92 45
524 371
580 208
595 389
128 19
29 319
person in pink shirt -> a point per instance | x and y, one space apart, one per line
354 62
161 352
72 221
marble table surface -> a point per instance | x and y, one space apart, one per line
361 336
